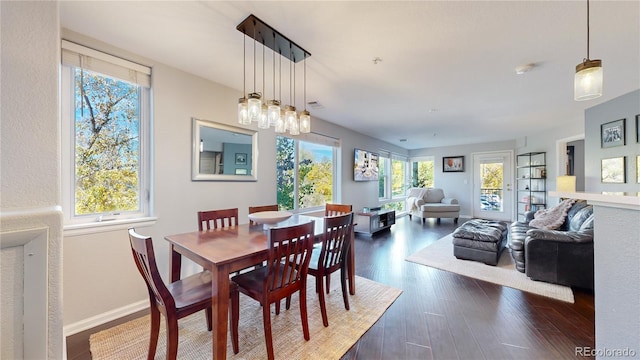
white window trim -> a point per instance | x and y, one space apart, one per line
76 225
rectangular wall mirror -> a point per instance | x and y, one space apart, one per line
223 152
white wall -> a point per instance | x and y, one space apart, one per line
100 279
459 184
29 177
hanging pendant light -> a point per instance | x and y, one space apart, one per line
254 105
290 114
588 80
243 117
305 116
263 120
273 110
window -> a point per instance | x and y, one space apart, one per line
392 182
306 171
106 119
422 173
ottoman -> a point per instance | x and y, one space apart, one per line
480 240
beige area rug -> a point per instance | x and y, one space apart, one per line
131 340
440 255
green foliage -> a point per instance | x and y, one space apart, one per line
107 151
492 176
423 174
398 177
285 172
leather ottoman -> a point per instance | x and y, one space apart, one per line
480 240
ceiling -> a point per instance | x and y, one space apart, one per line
447 70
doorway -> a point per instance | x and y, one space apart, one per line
492 185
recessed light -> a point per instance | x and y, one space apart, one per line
403 140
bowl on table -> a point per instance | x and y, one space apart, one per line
269 218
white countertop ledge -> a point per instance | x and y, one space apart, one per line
609 199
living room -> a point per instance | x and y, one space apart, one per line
31 134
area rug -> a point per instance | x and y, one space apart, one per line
131 340
440 255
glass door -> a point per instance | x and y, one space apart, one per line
492 186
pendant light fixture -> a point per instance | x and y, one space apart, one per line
254 104
243 116
270 113
305 116
587 83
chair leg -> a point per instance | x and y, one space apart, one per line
438 221
172 338
209 315
328 277
455 221
323 307
288 303
277 307
266 319
155 331
235 319
343 280
303 311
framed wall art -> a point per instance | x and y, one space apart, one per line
638 128
452 163
241 159
612 134
638 169
613 170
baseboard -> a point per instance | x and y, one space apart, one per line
100 319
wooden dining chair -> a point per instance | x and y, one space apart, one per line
255 209
336 209
285 274
214 219
178 299
331 257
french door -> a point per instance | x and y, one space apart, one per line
493 185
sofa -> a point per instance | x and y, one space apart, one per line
427 203
560 256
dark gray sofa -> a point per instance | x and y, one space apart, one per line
562 256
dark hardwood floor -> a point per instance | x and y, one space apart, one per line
441 315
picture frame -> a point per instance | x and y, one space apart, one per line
612 134
453 164
241 159
241 171
638 128
613 170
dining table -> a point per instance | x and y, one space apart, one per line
226 250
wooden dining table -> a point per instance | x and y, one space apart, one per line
226 250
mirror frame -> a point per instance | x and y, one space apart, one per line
195 152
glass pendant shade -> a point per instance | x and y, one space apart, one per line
305 122
243 116
280 124
273 112
254 106
291 120
263 121
587 83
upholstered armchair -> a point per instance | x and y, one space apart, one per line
427 203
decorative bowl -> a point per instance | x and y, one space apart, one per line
269 218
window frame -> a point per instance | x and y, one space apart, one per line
320 140
82 224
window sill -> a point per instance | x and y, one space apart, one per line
105 226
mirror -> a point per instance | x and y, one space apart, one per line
223 152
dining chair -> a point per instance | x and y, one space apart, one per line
285 274
331 257
177 299
214 219
336 209
255 209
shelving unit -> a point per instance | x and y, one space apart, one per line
531 176
369 223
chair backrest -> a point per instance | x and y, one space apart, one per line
289 255
144 257
255 209
214 219
336 241
336 209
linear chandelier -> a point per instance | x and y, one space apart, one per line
587 83
253 107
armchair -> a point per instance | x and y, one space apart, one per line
431 203
561 256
